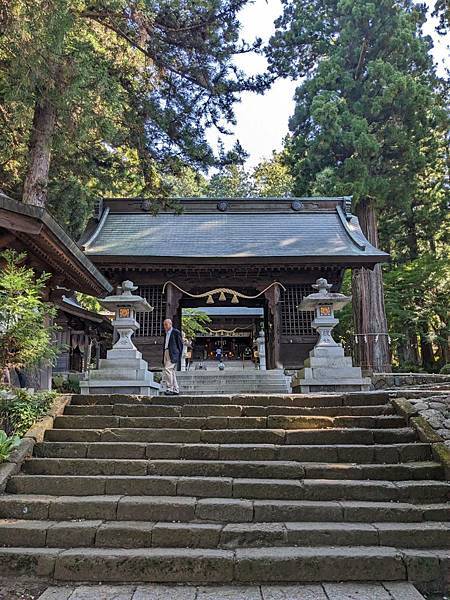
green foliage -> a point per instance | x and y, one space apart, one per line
367 107
445 369
88 302
417 305
188 182
406 367
26 336
193 322
20 409
66 385
232 180
442 11
7 445
270 178
418 301
134 84
344 330
370 121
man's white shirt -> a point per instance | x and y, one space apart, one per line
166 343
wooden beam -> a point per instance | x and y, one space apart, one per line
6 239
17 222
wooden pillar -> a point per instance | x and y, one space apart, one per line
86 352
173 297
273 300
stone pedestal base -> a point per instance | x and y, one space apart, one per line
328 370
122 372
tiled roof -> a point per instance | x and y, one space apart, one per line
230 235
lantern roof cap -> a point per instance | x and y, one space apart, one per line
324 296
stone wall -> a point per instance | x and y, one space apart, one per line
436 410
393 380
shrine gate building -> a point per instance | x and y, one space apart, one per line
260 253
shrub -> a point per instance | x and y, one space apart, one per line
26 337
20 409
69 385
408 368
7 445
445 369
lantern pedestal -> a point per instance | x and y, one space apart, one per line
123 371
327 369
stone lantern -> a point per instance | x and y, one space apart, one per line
327 368
123 371
324 303
124 307
261 345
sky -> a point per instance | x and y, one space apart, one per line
262 121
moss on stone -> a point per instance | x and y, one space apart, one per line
441 453
425 431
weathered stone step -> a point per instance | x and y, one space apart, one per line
323 563
226 410
147 534
225 387
236 436
350 399
375 453
220 510
269 422
228 487
234 468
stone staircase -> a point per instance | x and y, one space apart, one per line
229 489
233 380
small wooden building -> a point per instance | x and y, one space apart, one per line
255 252
49 249
84 336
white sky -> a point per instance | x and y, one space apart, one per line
262 121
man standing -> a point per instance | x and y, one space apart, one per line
172 351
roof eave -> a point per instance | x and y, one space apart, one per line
38 228
329 259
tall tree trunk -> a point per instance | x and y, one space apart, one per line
411 237
40 147
426 349
408 350
444 346
369 315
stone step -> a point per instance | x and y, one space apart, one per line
220 510
379 453
224 410
129 363
283 564
430 491
128 374
159 534
230 377
269 422
233 468
233 368
349 399
248 388
236 436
